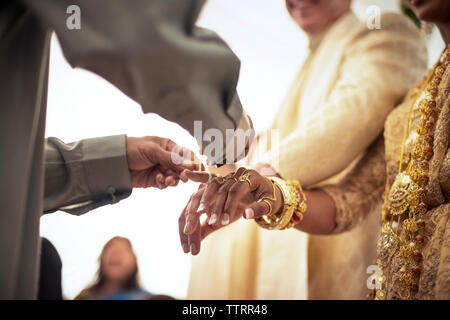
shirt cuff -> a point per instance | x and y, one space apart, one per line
106 166
106 171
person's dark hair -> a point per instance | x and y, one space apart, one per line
131 283
410 14
49 273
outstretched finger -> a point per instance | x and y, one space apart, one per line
195 240
192 215
184 239
208 196
235 194
218 216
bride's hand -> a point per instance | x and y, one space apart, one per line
225 200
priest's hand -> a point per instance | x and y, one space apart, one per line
157 162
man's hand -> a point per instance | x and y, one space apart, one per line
158 162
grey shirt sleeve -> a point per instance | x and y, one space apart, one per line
84 175
153 52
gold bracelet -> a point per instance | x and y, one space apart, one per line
293 208
279 221
301 206
269 221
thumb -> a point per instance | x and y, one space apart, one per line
172 160
258 209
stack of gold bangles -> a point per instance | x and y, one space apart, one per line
293 209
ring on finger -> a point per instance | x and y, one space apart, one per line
245 177
230 176
267 201
219 179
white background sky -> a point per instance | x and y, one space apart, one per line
82 105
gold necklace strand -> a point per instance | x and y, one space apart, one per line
415 178
409 251
411 108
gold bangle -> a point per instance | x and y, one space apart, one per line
294 206
301 206
277 221
269 221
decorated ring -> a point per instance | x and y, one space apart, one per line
245 177
219 179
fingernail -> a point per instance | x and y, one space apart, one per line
249 213
192 247
213 219
225 219
201 207
185 248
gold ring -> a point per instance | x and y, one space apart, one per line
229 176
245 177
266 201
220 180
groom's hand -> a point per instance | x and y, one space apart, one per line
158 162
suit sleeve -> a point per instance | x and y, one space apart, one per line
85 175
153 52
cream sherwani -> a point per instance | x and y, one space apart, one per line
336 107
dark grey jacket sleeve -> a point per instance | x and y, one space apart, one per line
153 52
84 175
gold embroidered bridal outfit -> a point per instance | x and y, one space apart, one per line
410 169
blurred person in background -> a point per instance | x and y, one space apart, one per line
334 110
50 287
118 275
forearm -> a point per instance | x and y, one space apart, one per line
162 60
338 208
320 217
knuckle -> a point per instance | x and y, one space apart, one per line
222 191
234 190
